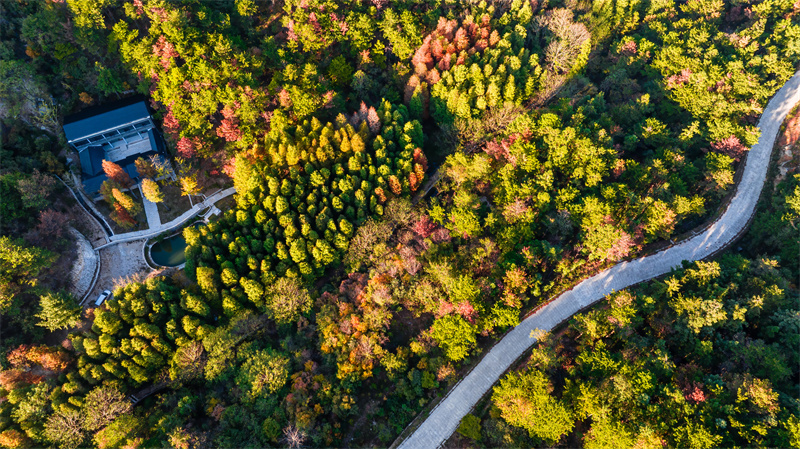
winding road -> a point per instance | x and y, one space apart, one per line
444 419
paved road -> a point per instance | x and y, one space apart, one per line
444 419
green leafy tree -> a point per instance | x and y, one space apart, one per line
470 427
287 300
20 267
525 401
58 310
208 281
35 189
124 430
102 406
455 335
65 428
265 372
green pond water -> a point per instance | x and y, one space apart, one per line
170 252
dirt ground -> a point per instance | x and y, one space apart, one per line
177 203
87 226
123 261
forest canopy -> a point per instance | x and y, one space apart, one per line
411 178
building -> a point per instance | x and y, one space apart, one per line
120 133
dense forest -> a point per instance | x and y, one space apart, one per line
412 177
703 358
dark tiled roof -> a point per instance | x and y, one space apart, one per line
106 120
92 163
92 185
92 160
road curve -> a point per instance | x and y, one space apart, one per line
444 419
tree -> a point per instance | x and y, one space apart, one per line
607 242
416 106
340 71
124 431
145 168
719 171
524 401
607 433
126 202
23 92
58 311
297 250
108 82
696 436
122 217
660 219
117 173
189 185
265 372
102 405
455 335
186 148
107 321
470 427
152 191
294 437
208 281
35 189
20 267
12 438
52 223
65 429
11 206
566 41
731 147
287 300
188 362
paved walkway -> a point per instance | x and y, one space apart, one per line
151 210
444 419
183 218
119 264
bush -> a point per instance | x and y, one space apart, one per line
470 427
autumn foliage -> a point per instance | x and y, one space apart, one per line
122 217
117 173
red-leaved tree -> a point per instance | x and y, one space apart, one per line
117 173
730 146
122 217
229 127
52 223
186 148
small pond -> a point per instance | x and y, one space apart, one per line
170 252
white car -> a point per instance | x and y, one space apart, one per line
103 296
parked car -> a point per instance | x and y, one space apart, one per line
103 296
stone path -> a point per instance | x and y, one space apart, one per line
151 210
444 419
